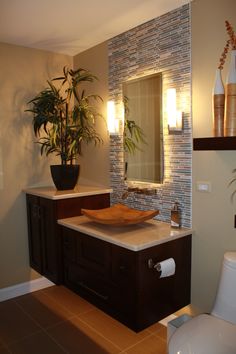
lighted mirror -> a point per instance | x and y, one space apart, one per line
144 100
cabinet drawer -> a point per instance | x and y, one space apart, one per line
79 279
100 292
89 252
93 254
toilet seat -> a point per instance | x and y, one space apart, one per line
204 334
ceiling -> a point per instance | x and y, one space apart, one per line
72 26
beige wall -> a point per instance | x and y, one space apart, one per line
95 160
23 73
213 213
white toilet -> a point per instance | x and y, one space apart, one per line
214 333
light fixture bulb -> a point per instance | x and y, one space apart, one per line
111 124
174 117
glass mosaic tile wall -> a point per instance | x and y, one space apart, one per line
160 45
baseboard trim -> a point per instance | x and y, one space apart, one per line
24 288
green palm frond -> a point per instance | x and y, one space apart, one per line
65 115
133 134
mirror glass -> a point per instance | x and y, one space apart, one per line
143 97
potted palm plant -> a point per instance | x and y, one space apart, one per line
63 118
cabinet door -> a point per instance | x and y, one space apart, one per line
51 241
34 233
44 239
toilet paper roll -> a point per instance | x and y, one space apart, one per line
167 267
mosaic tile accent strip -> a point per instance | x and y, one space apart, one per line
160 45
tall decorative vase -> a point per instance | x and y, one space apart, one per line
230 105
218 105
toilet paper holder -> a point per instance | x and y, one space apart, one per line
152 264
165 268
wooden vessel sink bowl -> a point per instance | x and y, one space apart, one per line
119 215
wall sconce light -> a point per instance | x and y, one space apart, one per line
113 124
174 117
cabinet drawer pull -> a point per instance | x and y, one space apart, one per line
122 267
36 211
104 297
66 243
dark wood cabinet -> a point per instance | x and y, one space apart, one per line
215 143
34 228
121 282
45 244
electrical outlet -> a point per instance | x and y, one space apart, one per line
203 186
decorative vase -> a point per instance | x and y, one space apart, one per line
65 176
218 105
230 105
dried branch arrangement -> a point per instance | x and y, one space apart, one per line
230 43
224 55
231 34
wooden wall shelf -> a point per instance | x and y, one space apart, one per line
215 143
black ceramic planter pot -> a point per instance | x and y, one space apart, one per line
65 176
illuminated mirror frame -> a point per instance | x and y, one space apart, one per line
152 183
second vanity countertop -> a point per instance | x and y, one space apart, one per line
78 191
133 237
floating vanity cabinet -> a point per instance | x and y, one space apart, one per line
44 208
122 281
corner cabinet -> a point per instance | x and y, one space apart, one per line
120 281
45 244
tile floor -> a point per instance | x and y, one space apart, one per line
55 321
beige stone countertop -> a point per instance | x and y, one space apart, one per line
133 237
78 191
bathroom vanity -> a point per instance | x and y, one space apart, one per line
44 207
113 267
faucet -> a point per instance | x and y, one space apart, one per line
139 190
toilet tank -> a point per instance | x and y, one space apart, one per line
225 302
